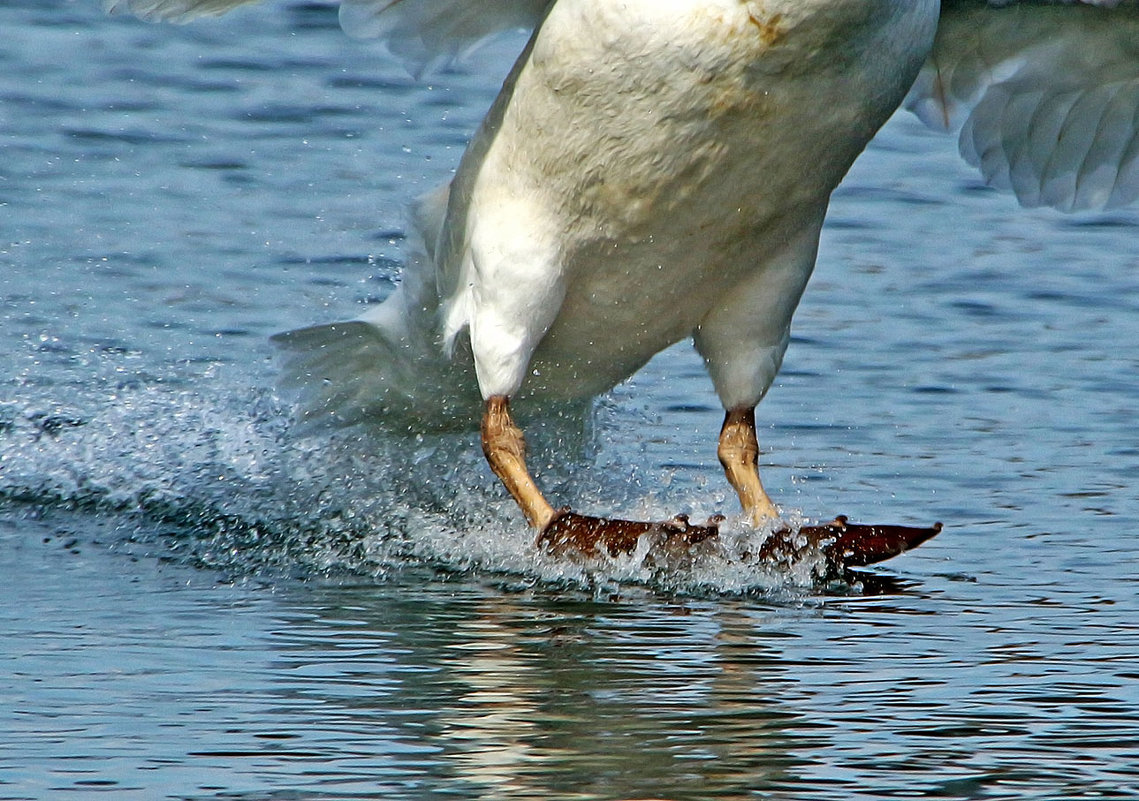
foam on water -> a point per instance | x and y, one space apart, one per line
218 480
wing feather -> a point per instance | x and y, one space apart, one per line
1046 97
424 31
420 32
172 10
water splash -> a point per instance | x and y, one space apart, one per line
219 482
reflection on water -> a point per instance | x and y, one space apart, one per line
428 685
523 695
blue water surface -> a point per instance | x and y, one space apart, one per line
197 604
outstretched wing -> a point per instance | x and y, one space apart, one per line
172 10
422 31
418 31
1046 97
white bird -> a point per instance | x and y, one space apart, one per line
652 170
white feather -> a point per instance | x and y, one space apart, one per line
1046 98
652 170
419 32
172 10
389 364
424 31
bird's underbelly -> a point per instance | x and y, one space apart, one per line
650 246
658 233
627 300
610 325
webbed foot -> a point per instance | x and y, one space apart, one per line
841 543
571 533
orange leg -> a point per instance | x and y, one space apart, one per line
739 454
505 450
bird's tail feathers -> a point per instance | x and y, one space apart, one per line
390 365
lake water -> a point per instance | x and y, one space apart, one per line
195 604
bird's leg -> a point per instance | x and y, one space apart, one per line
739 454
561 532
505 450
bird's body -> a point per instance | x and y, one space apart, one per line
655 169
652 170
658 169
